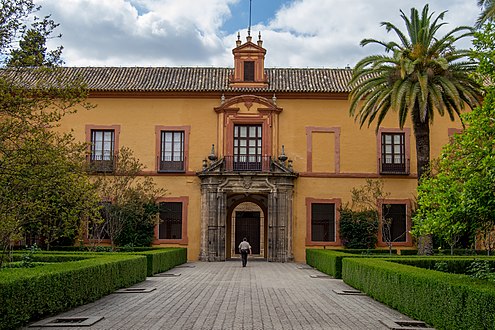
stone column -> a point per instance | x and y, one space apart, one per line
208 216
216 228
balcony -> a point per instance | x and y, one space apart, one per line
245 163
167 165
101 164
402 168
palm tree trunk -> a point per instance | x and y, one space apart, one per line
422 135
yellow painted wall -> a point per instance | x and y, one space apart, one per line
138 117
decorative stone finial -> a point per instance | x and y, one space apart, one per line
282 156
212 157
274 99
222 99
238 41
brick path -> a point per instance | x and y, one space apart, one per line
223 295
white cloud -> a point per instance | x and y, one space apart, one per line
304 33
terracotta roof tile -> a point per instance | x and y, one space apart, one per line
197 79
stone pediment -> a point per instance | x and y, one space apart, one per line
250 47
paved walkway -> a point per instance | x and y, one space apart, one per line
223 295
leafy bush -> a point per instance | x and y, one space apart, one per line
358 229
29 294
441 266
481 269
138 226
445 301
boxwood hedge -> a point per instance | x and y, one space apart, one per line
158 259
330 261
443 300
30 293
163 259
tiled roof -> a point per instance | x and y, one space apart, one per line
198 79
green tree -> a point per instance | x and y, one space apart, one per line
359 223
425 75
488 12
43 185
32 51
461 193
130 197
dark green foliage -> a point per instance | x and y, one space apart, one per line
139 226
358 229
482 270
29 294
330 261
76 279
368 252
326 261
131 216
445 301
454 265
408 252
161 260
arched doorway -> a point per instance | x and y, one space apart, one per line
247 218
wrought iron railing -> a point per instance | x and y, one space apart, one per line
402 168
102 163
169 165
251 163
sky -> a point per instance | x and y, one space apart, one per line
202 33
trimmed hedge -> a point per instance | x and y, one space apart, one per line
369 251
49 257
330 261
29 294
163 259
158 259
446 252
443 300
453 264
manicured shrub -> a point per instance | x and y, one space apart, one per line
443 300
31 293
326 261
454 265
369 251
330 261
162 259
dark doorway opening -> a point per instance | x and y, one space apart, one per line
247 224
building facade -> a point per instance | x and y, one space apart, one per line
270 154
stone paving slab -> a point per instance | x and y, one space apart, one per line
224 295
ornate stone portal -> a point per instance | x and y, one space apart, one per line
222 190
247 139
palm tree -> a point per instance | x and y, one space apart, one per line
488 13
424 75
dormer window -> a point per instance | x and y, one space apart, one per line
249 71
249 64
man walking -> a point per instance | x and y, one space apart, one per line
244 249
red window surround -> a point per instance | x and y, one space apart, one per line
407 202
338 203
158 130
185 205
115 128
